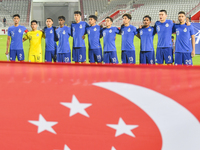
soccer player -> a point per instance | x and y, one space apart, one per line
35 39
15 35
185 41
95 50
128 32
164 31
63 33
50 40
109 34
146 35
78 33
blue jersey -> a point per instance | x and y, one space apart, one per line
78 30
49 38
94 37
146 37
164 31
63 35
16 34
128 34
109 38
183 38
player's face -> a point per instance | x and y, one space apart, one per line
61 22
77 17
146 22
187 20
16 20
49 23
162 16
34 26
108 22
92 21
181 18
126 20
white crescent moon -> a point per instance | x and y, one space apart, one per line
179 128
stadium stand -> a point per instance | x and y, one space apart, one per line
10 7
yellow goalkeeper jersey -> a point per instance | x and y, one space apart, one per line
35 39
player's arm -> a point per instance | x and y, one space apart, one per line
25 38
138 33
193 46
8 44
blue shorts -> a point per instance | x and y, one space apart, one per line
110 57
79 54
17 53
95 55
164 53
49 55
183 58
147 57
64 57
128 57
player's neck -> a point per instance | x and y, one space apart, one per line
78 21
61 26
49 26
126 25
34 29
93 25
162 21
181 23
16 25
147 26
109 26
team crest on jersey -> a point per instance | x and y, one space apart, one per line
37 34
167 25
51 31
129 30
64 32
88 31
19 30
95 29
158 28
149 29
110 31
141 32
81 26
185 30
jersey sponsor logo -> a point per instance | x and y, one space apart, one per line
95 29
141 32
129 30
19 30
81 26
149 29
51 31
37 34
167 25
185 30
64 32
88 31
110 31
158 28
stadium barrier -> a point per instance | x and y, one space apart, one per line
3 31
99 107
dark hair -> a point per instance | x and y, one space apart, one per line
34 21
78 12
16 15
61 17
147 16
111 19
172 37
163 11
128 16
181 12
93 16
50 18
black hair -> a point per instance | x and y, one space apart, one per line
34 21
78 12
111 19
128 16
172 37
93 16
61 17
16 15
163 11
181 12
50 18
147 16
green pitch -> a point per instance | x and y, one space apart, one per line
3 39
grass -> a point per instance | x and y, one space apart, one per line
3 39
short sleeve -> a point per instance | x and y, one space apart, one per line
69 31
135 31
9 32
155 31
191 30
72 30
117 31
26 36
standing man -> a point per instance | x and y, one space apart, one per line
63 33
35 39
15 35
109 34
78 33
128 32
96 13
85 17
164 31
185 41
4 22
95 50
50 40
146 35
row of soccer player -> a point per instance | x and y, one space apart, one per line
184 49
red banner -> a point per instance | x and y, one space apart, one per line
99 107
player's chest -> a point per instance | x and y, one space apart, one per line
182 31
93 31
127 32
146 32
17 32
78 28
108 33
163 27
49 32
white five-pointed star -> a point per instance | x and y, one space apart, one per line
66 147
43 124
113 148
76 107
122 128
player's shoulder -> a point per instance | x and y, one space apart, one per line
169 21
11 27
